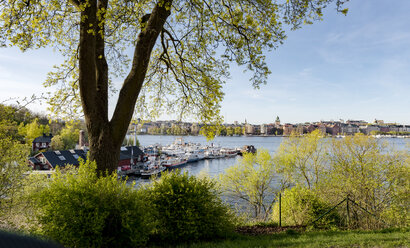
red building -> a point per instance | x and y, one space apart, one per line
41 142
51 159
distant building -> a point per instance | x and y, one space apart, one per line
357 122
195 129
249 129
277 121
256 129
264 129
41 142
350 129
288 129
301 129
384 129
368 129
333 129
378 122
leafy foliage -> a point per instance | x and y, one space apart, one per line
188 208
358 167
190 61
68 136
362 168
13 155
302 160
13 165
252 181
79 209
301 206
179 64
33 130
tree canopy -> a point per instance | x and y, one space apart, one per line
182 52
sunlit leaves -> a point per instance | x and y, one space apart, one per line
251 180
191 58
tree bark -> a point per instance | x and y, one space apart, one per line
104 152
105 137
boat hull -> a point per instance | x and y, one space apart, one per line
176 165
150 173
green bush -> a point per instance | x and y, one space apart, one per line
188 208
78 209
301 206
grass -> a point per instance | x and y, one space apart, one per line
382 238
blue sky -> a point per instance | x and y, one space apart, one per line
344 67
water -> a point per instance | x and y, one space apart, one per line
270 143
215 167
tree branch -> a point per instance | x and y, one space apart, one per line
76 3
87 80
101 62
135 79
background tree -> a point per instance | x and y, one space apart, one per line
302 159
252 182
362 168
181 72
70 134
238 130
13 165
359 167
33 130
229 131
57 143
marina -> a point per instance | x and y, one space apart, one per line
214 167
178 154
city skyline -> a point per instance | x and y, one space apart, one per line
344 67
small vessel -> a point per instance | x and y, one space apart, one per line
174 162
152 168
228 153
246 149
148 173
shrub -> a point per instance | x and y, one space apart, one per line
188 208
301 206
251 182
79 209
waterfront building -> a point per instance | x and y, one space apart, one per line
249 129
51 159
264 129
41 142
350 129
288 129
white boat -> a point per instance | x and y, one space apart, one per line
174 162
227 152
145 174
151 168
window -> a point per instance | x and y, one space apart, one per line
76 156
123 149
72 151
43 144
57 152
62 158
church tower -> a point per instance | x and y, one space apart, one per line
277 121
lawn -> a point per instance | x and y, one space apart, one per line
383 238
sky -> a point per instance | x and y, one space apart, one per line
344 67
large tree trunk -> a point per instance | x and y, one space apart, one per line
103 150
105 137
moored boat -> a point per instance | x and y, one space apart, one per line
155 171
174 162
